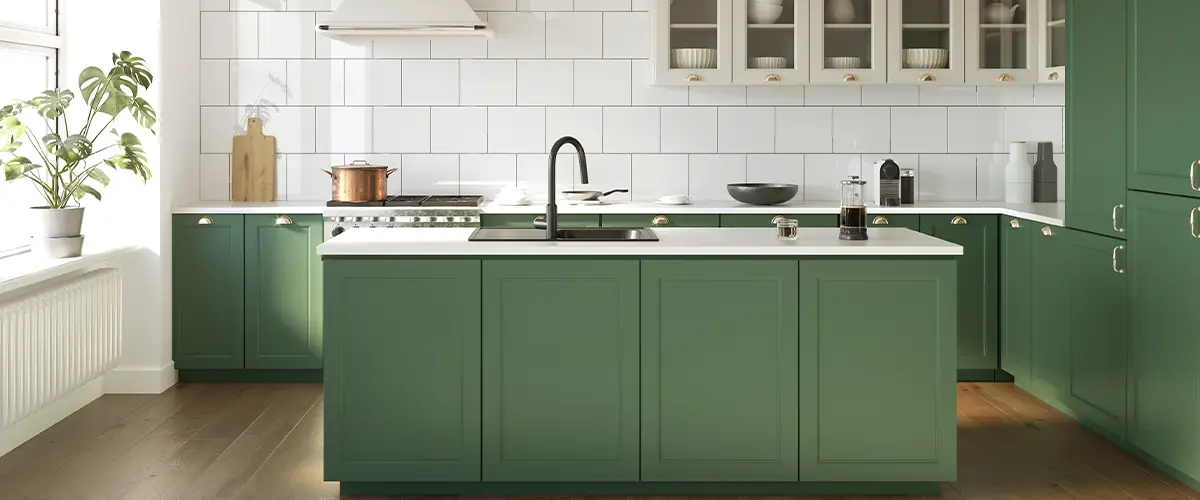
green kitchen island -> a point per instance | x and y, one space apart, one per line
712 361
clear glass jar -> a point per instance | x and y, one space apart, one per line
788 229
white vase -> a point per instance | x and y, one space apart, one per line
840 11
1018 175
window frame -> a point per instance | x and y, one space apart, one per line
44 40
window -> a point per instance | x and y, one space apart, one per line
29 45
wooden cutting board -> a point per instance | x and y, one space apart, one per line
254 164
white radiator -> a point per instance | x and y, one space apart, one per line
57 340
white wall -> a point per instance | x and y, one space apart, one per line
455 113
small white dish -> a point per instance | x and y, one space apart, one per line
674 199
513 203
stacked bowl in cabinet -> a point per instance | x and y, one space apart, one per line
764 11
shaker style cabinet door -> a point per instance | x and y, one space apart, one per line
978 274
1051 366
1001 41
208 286
925 42
1016 307
770 43
692 42
1166 154
283 292
848 41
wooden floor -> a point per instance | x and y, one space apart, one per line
263 441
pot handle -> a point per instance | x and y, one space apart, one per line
615 191
360 162
328 172
390 171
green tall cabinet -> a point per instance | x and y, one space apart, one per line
208 287
978 274
1016 288
283 292
1051 341
560 370
712 408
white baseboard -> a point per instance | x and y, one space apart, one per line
51 414
140 379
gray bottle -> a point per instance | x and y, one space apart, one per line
1045 175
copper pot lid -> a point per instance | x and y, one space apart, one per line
360 164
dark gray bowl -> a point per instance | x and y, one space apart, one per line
763 194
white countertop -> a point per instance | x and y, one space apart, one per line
1046 213
441 242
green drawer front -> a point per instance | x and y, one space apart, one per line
661 220
526 220
764 220
910 221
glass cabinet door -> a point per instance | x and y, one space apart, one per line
1001 41
925 41
770 40
1052 42
848 41
693 42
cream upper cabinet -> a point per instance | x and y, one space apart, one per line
1052 41
848 41
1002 45
925 41
693 42
770 42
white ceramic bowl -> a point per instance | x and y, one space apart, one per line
926 58
843 62
760 13
694 58
768 62
674 199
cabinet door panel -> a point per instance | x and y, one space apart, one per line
208 289
283 292
735 423
1016 288
767 220
922 26
895 220
1052 270
661 220
527 220
560 370
978 274
848 45
1001 45
402 370
694 24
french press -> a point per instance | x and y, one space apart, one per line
853 221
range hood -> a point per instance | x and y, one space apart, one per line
404 17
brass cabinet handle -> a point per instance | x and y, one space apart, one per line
771 78
777 218
881 221
1192 175
660 220
1004 77
540 218
693 77
1046 231
927 78
849 78
1053 76
1016 224
958 221
283 220
1192 222
205 221
1115 268
1115 228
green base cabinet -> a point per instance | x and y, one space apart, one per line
208 287
978 275
877 395
402 370
907 221
1016 307
660 220
1164 284
527 220
560 370
768 220
719 378
283 292
1050 376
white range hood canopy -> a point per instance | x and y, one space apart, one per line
404 17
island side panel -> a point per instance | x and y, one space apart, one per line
719 370
560 366
878 368
402 370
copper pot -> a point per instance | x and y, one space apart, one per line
359 182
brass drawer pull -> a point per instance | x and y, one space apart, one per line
1115 268
1192 222
849 78
205 221
692 78
927 78
1016 224
1004 77
1046 231
1053 76
1192 175
880 221
660 220
283 220
777 218
771 78
1115 228
959 221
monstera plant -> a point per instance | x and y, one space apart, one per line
69 162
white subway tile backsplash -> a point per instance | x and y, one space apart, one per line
493 4
602 4
803 130
228 35
627 35
1034 124
305 179
488 82
545 83
631 130
975 130
516 130
641 5
218 5
790 95
316 82
430 174
214 82
545 5
645 94
402 48
746 130
717 96
401 130
455 47
785 169
989 185
1050 95
532 170
603 83
689 130
574 35
607 172
861 130
889 95
458 130
430 83
342 47
947 178
316 5
937 95
659 175
832 96
257 5
708 175
919 130
584 124
376 82
217 128
344 130
294 128
287 35
214 177
259 81
486 174
1004 95
525 35
824 173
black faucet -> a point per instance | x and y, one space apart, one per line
551 206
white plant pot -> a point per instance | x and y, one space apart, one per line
58 248
56 222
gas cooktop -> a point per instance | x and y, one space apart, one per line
427 201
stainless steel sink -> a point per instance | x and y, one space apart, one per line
567 234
